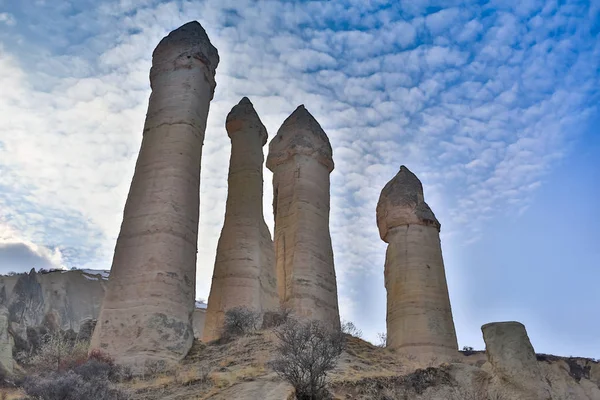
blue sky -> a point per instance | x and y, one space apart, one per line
494 105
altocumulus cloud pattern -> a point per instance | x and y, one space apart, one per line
480 99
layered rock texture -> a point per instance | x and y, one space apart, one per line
300 158
419 317
363 372
513 363
244 273
6 342
147 310
198 320
65 299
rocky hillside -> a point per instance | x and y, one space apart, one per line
239 370
64 299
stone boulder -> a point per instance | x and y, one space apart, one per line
512 362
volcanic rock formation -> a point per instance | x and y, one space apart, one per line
419 317
6 341
244 273
147 310
513 362
300 158
69 298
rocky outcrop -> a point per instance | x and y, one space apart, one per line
244 273
198 321
419 317
64 299
513 363
147 311
6 342
300 158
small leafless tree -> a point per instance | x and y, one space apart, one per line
382 339
57 352
240 321
350 329
307 352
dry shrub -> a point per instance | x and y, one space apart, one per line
382 339
71 386
91 380
272 319
4 378
193 376
421 379
307 352
57 352
350 329
155 367
239 321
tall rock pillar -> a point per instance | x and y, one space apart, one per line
147 310
6 340
300 158
419 317
244 273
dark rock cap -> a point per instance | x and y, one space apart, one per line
243 117
401 202
300 133
185 44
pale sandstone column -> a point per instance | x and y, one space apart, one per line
244 273
513 363
147 310
419 317
6 341
300 158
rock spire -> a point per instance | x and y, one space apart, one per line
147 310
244 273
419 317
300 158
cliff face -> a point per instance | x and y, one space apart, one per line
59 299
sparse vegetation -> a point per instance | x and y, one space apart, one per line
3 377
47 271
239 321
153 368
397 387
71 386
468 350
307 352
350 329
272 319
382 339
56 351
92 379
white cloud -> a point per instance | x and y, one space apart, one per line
8 19
479 106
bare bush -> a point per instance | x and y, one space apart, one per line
153 368
57 352
71 386
239 321
307 352
273 319
381 339
350 329
3 377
